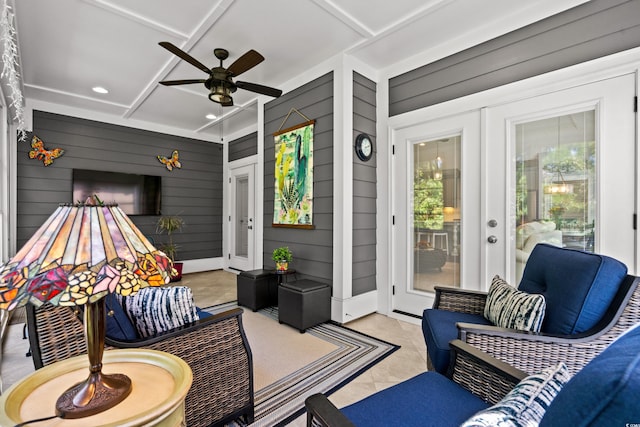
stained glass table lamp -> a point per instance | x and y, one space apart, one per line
79 255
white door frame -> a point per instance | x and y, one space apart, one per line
236 170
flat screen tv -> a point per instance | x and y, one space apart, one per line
135 194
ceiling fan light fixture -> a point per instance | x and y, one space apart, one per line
220 94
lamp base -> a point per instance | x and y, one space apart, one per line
97 393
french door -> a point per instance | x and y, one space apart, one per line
476 191
436 198
241 223
561 170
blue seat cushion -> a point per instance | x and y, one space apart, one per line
603 393
202 314
118 325
578 286
428 399
439 329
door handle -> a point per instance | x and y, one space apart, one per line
250 227
492 239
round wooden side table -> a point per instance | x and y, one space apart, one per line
160 383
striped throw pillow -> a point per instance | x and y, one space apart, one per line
526 404
156 310
508 307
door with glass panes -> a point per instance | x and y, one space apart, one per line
556 168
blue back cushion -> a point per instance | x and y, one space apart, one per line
578 286
118 326
605 392
428 399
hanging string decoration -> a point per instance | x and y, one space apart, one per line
10 66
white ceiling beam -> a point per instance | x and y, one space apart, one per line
110 7
209 21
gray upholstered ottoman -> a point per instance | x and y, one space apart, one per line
304 303
257 289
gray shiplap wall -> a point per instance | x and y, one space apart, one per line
312 249
194 192
588 31
364 189
243 147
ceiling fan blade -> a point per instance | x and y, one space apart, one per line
184 55
245 63
181 82
264 90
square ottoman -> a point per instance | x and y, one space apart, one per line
304 303
257 289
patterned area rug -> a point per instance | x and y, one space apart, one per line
281 402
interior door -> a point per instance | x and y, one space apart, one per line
241 224
561 170
436 198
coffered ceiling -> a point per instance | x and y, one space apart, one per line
67 47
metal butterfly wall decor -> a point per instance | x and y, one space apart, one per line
39 152
171 162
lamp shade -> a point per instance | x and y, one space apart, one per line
79 255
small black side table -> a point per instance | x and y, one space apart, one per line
283 274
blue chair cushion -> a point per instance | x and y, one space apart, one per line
603 393
118 325
202 314
578 286
439 329
428 399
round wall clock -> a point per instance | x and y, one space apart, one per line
364 147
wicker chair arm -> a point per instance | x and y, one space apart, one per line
460 300
217 350
476 371
483 375
531 352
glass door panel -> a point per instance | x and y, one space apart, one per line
242 217
436 213
555 184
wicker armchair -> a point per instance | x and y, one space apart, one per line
531 352
588 300
215 348
479 374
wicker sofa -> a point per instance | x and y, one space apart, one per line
215 348
569 336
603 393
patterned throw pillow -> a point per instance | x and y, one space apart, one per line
156 310
508 307
526 404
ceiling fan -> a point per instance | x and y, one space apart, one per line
220 82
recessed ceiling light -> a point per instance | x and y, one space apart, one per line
211 116
100 89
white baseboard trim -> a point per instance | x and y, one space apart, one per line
346 310
203 264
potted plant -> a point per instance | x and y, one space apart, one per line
282 256
170 224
